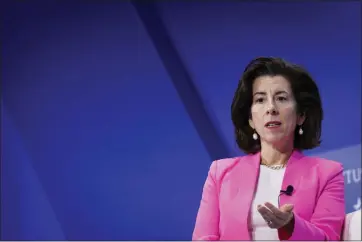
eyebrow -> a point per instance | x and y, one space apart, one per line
264 93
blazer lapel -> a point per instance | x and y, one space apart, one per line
244 179
292 176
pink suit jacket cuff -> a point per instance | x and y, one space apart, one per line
305 231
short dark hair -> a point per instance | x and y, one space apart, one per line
306 94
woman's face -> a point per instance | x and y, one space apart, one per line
274 110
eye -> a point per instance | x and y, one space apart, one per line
259 100
281 98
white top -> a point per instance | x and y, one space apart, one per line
268 189
352 226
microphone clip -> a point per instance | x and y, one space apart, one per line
288 191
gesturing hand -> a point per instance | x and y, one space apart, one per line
276 217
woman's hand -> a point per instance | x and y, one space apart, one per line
276 217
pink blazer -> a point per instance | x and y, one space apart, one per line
318 198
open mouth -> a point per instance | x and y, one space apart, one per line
273 124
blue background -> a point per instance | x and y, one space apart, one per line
112 112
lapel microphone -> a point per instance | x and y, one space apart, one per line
288 191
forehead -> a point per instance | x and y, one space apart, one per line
271 83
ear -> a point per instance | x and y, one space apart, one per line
301 119
251 123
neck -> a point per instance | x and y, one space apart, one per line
272 155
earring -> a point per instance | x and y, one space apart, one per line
255 136
300 131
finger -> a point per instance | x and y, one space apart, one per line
269 220
275 210
287 208
269 216
285 217
270 223
265 210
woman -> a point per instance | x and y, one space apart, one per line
274 192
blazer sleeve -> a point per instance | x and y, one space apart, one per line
207 220
328 217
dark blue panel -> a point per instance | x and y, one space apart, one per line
27 213
115 152
182 81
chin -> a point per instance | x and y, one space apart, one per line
278 141
275 140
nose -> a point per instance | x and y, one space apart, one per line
272 109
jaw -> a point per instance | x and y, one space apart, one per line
278 141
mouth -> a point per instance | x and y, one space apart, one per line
273 124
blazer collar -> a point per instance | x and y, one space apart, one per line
293 165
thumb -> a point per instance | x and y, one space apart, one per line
287 208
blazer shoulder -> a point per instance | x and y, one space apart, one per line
326 166
220 167
325 162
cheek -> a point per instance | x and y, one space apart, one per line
288 115
257 110
255 114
